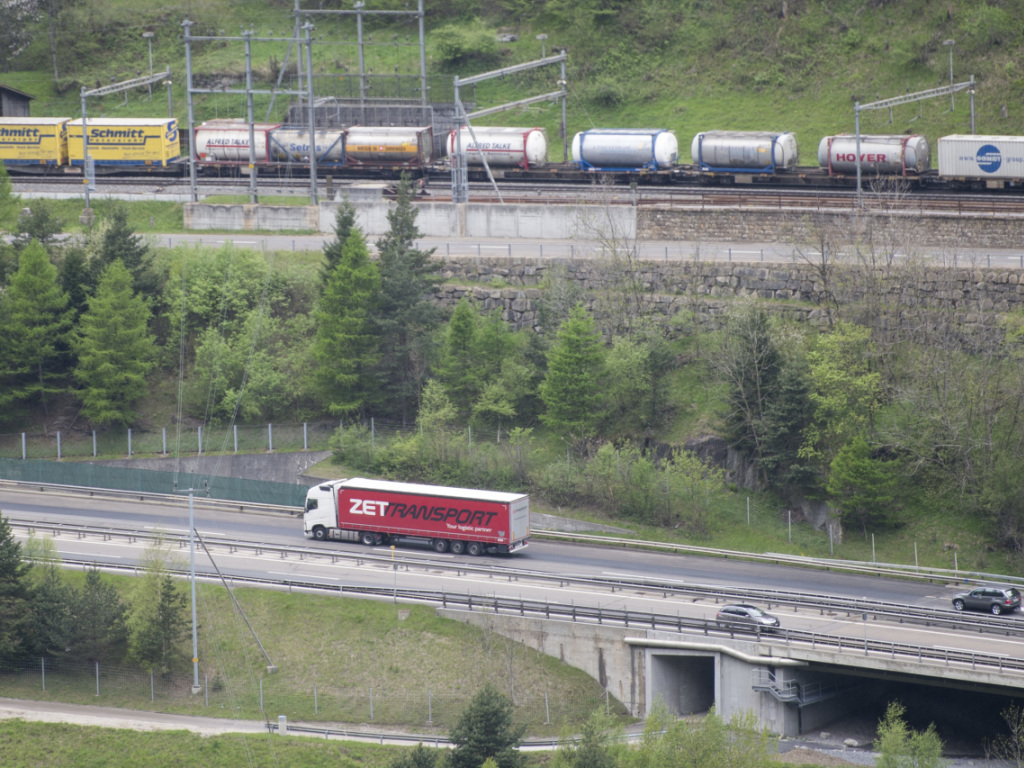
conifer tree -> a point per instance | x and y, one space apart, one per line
406 318
571 389
345 347
458 368
99 618
115 349
485 730
15 609
344 224
53 606
37 325
121 243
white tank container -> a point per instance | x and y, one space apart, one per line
898 155
981 157
625 149
374 145
292 145
503 147
227 141
755 151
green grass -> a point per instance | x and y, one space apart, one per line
340 660
59 745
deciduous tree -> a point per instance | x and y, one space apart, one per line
156 621
900 746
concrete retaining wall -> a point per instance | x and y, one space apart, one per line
252 218
485 220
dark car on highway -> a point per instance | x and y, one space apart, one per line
996 600
746 617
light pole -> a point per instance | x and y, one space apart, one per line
149 39
950 43
543 44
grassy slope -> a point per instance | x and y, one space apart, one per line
690 66
344 648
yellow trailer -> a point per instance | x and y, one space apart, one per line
34 140
126 141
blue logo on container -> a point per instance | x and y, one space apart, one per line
989 158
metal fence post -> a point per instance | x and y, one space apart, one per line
235 430
270 437
97 678
305 436
129 441
165 440
58 445
200 440
24 447
94 443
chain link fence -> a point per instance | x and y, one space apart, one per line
268 697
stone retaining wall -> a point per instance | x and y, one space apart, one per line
976 296
914 229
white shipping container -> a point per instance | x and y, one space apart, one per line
982 157
503 147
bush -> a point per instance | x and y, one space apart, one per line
461 45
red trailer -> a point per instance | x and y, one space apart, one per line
381 512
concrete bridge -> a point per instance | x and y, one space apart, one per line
792 688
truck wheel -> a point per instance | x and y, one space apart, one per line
320 533
458 547
368 538
475 548
440 545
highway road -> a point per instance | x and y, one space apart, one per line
521 576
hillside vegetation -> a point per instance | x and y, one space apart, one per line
903 420
690 65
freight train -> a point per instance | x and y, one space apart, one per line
48 145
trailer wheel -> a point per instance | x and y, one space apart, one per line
319 533
440 545
368 538
475 548
458 547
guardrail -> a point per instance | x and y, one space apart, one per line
1006 625
947 658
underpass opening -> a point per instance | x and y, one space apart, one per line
684 682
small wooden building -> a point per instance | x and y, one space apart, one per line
14 103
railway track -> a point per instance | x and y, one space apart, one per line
532 193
